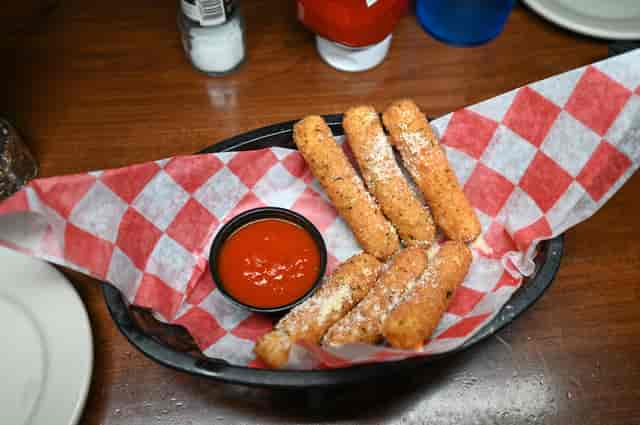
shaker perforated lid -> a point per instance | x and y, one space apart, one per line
208 12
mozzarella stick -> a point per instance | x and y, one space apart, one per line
364 322
425 159
273 348
330 166
415 318
309 321
383 177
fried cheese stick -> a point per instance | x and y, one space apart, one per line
415 318
425 159
330 166
309 321
383 177
364 322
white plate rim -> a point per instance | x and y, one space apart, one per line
82 333
601 28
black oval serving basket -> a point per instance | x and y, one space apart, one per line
173 347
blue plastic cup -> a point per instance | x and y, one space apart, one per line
463 22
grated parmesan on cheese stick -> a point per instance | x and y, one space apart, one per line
364 322
423 156
309 321
413 321
384 178
339 179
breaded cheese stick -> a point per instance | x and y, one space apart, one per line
330 166
383 177
415 318
309 321
364 322
273 348
425 159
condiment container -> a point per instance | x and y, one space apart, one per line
250 263
463 22
212 35
17 165
352 35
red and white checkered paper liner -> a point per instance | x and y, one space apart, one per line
533 162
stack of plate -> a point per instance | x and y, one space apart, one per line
47 350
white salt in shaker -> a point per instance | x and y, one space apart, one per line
212 35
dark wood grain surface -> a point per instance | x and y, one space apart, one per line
94 85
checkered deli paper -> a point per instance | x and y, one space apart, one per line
533 162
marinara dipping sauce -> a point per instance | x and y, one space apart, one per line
269 262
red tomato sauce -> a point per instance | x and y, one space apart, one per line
268 263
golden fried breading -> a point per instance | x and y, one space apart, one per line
344 288
273 348
330 166
415 318
423 156
364 322
384 178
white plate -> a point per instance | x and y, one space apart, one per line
46 344
618 19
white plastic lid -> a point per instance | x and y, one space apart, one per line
352 59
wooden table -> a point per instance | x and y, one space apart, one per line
96 85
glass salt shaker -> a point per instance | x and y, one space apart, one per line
212 35
17 165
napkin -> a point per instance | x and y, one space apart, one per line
533 162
